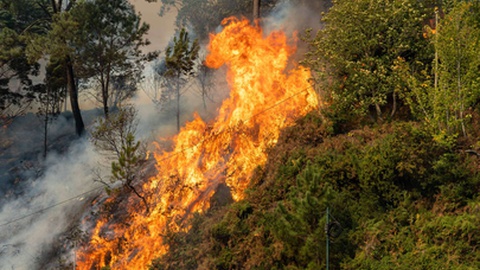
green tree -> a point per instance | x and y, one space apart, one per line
443 94
115 138
109 43
459 76
55 42
50 97
126 168
353 57
16 88
179 66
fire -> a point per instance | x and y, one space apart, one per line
264 99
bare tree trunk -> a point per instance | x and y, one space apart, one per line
72 91
132 188
178 106
104 86
45 133
54 6
436 49
460 96
256 9
394 107
107 93
379 111
203 98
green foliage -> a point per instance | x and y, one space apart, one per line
458 46
178 68
420 239
180 58
61 31
11 59
402 200
128 162
16 17
111 135
115 136
442 94
181 241
109 39
353 57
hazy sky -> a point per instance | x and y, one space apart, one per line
161 28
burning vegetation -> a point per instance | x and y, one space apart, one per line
386 175
265 97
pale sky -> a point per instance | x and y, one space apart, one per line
161 28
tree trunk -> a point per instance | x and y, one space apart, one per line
394 106
256 9
436 50
72 91
178 106
132 188
379 112
54 6
105 103
45 131
203 98
104 95
460 94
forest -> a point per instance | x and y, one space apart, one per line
383 174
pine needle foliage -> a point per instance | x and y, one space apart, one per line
115 138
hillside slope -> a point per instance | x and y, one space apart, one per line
397 198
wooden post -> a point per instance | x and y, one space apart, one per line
327 234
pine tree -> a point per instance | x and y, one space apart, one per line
179 66
125 169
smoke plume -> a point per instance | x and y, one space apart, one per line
34 221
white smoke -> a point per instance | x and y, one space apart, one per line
291 18
37 212
33 222
294 18
159 120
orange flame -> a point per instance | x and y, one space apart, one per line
264 99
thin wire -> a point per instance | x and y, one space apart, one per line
49 207
166 158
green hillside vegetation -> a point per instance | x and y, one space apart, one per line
394 155
403 202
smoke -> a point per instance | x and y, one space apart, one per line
35 217
32 223
22 148
42 201
158 120
290 16
294 16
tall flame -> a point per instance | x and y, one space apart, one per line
264 99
